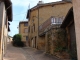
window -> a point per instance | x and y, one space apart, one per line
32 20
60 20
25 24
26 37
34 27
29 29
56 20
40 27
25 30
53 20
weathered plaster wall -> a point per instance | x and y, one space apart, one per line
2 18
76 10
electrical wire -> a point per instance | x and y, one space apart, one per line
16 14
26 12
19 14
24 17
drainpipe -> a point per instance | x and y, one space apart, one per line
38 26
38 21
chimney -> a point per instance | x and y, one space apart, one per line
40 2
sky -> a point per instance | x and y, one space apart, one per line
19 9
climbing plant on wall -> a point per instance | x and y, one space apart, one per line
49 39
60 42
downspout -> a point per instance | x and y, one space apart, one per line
38 20
38 26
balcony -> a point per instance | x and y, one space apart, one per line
53 22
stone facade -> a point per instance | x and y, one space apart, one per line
56 43
23 30
39 14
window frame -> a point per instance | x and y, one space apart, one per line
25 24
25 30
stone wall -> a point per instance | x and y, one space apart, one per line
56 43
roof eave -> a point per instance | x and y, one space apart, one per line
68 18
8 5
28 13
8 28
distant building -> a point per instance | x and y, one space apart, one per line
23 30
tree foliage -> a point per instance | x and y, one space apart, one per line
17 40
17 37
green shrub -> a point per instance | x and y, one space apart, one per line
17 40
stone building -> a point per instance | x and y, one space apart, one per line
23 30
5 17
41 13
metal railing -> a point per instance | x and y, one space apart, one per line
50 23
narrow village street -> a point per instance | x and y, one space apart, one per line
26 53
39 30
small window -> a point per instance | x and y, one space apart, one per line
53 20
29 29
25 24
56 20
33 20
40 27
26 37
25 30
60 20
34 27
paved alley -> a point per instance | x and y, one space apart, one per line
26 53
14 53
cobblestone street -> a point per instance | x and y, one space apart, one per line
26 53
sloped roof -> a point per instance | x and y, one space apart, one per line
69 17
51 3
45 4
8 27
22 22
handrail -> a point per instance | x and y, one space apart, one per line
51 21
